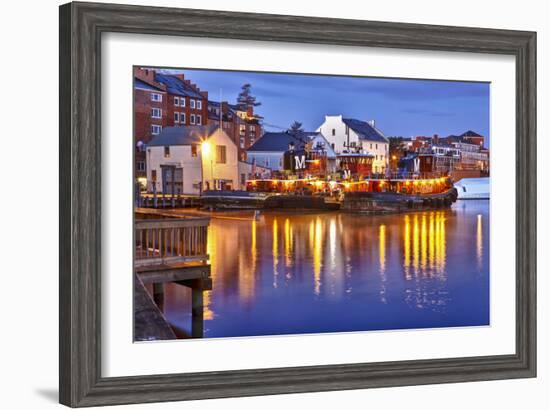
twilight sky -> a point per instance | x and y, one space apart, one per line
400 107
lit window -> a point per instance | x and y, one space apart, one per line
156 97
156 129
156 113
194 148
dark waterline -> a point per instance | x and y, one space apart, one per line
336 272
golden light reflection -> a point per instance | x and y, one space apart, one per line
317 255
424 246
382 248
416 245
407 248
211 251
382 261
479 241
332 243
247 271
275 252
288 243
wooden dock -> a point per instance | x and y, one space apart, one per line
173 251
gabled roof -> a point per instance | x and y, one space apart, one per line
471 133
279 141
176 86
143 85
184 135
364 130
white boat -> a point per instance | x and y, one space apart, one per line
473 188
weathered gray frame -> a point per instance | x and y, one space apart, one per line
81 26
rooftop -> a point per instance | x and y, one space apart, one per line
279 141
176 86
185 135
364 130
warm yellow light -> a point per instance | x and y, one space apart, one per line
394 157
142 181
415 182
205 148
318 184
346 185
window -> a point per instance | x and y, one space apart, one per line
371 145
166 152
376 146
333 132
182 101
176 117
156 129
199 104
192 103
194 148
242 142
156 97
221 157
156 113
199 119
243 179
140 166
192 118
176 101
242 129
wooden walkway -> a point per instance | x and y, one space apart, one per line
172 251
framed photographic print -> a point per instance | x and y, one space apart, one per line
259 204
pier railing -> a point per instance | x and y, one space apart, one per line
170 241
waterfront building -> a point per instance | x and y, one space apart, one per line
242 125
294 152
349 135
160 101
191 159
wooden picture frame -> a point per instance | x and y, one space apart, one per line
81 27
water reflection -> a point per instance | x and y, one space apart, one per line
287 273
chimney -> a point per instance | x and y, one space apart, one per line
372 123
180 77
250 111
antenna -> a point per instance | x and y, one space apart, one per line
221 110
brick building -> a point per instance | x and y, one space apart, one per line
242 125
163 100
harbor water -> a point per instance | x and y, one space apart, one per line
300 272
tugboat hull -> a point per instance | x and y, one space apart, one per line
390 202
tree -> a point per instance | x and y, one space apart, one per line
296 128
245 99
396 150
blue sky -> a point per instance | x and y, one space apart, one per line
400 107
